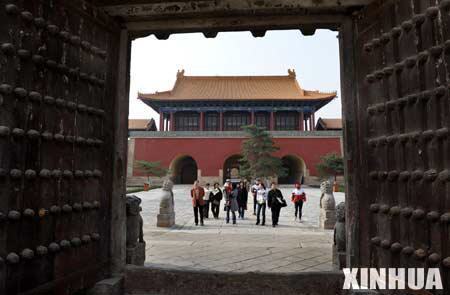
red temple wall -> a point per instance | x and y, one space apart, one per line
211 153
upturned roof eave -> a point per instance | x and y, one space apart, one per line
167 99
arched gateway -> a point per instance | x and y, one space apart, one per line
295 168
184 170
231 167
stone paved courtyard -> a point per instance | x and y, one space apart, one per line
291 247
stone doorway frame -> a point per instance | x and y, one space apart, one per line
344 24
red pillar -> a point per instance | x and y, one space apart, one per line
252 118
313 126
301 121
202 121
220 121
272 120
172 121
161 121
310 123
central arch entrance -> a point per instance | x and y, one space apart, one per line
295 168
231 167
184 170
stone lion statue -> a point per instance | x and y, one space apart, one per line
327 201
166 202
339 229
166 216
134 221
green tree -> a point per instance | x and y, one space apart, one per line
330 165
151 169
257 155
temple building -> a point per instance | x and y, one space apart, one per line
329 124
200 122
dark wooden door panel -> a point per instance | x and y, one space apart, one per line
402 58
57 84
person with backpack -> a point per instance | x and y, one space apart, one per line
275 201
215 198
298 198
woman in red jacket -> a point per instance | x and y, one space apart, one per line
298 197
197 193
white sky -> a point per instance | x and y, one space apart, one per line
154 63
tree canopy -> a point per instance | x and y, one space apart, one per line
257 155
330 165
151 168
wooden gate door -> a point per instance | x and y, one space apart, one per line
403 69
58 61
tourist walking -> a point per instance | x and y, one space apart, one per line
231 205
261 199
215 197
254 189
197 194
275 201
207 200
298 198
242 199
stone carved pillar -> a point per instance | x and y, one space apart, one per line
327 218
166 216
135 237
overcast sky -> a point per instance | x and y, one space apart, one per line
154 63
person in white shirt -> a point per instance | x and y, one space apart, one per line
206 199
261 200
254 188
298 198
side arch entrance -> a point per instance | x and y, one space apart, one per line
295 167
184 170
231 167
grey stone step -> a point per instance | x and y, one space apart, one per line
158 281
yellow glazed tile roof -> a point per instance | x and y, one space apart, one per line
237 88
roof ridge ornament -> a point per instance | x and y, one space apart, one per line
180 73
291 73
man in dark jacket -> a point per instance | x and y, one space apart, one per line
242 199
275 202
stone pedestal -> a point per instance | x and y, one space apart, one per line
327 218
166 216
136 255
165 220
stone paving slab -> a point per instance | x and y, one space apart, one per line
291 247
